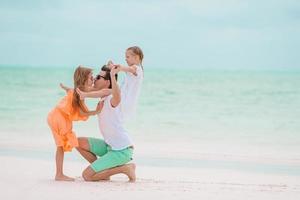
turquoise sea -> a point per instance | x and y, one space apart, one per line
195 112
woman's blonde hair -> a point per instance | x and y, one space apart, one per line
80 77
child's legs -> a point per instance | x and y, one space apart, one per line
61 130
59 160
59 166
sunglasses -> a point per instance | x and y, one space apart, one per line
99 77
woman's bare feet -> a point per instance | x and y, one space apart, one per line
63 177
129 170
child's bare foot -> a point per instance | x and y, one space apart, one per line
63 178
130 172
80 93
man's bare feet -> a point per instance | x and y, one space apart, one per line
63 178
129 170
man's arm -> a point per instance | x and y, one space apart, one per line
116 93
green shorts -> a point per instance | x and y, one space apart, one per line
109 158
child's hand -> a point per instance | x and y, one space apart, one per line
114 70
110 64
80 93
64 87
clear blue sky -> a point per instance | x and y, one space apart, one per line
182 33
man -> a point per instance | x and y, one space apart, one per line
116 149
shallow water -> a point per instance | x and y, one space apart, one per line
201 108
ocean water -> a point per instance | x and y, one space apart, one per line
242 112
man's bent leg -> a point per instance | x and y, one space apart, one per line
128 170
84 149
88 173
109 164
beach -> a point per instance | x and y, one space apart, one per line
228 135
25 178
162 172
217 116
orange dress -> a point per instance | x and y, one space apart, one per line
60 121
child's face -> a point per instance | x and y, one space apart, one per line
89 81
131 58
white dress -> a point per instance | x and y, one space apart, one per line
130 90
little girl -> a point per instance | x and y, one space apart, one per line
70 109
131 86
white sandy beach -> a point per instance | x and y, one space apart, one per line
240 143
217 116
28 178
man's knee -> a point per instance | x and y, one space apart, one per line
86 177
83 143
87 174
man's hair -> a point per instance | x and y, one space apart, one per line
107 74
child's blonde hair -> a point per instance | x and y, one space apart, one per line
80 77
137 51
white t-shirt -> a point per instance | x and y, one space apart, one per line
130 90
110 122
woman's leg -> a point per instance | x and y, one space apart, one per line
59 166
84 149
